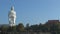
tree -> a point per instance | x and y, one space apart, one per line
34 27
27 26
40 27
13 28
20 27
4 28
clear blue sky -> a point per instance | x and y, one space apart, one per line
30 11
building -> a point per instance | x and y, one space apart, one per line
50 23
53 21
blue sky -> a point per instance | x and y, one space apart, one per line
30 11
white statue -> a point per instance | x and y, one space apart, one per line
12 17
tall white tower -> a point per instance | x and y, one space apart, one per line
12 17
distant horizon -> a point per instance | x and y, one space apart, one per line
30 11
29 24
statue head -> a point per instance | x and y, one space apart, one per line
12 8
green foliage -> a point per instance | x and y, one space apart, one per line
4 28
40 27
20 27
27 26
34 27
13 28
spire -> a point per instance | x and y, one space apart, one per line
12 8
